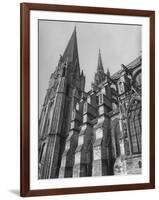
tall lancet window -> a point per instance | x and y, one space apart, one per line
134 124
100 99
42 152
117 136
85 107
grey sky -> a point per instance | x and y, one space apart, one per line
119 44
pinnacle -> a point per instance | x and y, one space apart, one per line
108 72
82 74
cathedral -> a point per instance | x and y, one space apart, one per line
94 133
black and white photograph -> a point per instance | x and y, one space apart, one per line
89 99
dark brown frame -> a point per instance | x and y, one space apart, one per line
25 9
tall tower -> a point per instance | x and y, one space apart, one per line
65 86
102 163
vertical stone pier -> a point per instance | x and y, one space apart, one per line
102 155
83 154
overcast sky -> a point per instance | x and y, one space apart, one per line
119 44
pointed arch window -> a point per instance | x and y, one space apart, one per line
42 152
117 135
134 125
100 99
73 114
77 106
121 87
85 107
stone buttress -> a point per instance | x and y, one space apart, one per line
102 155
83 154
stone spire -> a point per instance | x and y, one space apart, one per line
82 81
100 64
99 75
71 52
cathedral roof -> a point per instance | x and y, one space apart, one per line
131 65
71 52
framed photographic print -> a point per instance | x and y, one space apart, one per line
87 99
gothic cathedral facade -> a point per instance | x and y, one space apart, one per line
95 133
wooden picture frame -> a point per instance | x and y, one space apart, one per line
25 9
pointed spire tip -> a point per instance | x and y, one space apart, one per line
71 51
